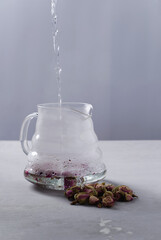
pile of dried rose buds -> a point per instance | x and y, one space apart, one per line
99 194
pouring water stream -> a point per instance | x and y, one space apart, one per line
56 47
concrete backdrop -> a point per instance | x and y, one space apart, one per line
110 55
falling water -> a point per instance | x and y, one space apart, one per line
56 47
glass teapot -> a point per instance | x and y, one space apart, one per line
64 148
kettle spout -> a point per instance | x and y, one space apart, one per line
85 109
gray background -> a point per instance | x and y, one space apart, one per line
110 55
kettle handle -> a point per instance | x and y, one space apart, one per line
24 132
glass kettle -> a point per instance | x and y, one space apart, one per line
64 149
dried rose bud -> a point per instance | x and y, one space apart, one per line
126 189
26 173
120 192
87 190
82 197
93 200
118 196
100 188
90 189
76 189
108 201
108 193
109 187
69 193
49 175
90 192
116 189
69 182
128 197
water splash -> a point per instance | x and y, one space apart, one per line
56 47
109 229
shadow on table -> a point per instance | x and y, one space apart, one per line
48 192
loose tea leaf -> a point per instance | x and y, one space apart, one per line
99 194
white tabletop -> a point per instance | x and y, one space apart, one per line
27 212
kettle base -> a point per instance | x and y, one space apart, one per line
62 183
